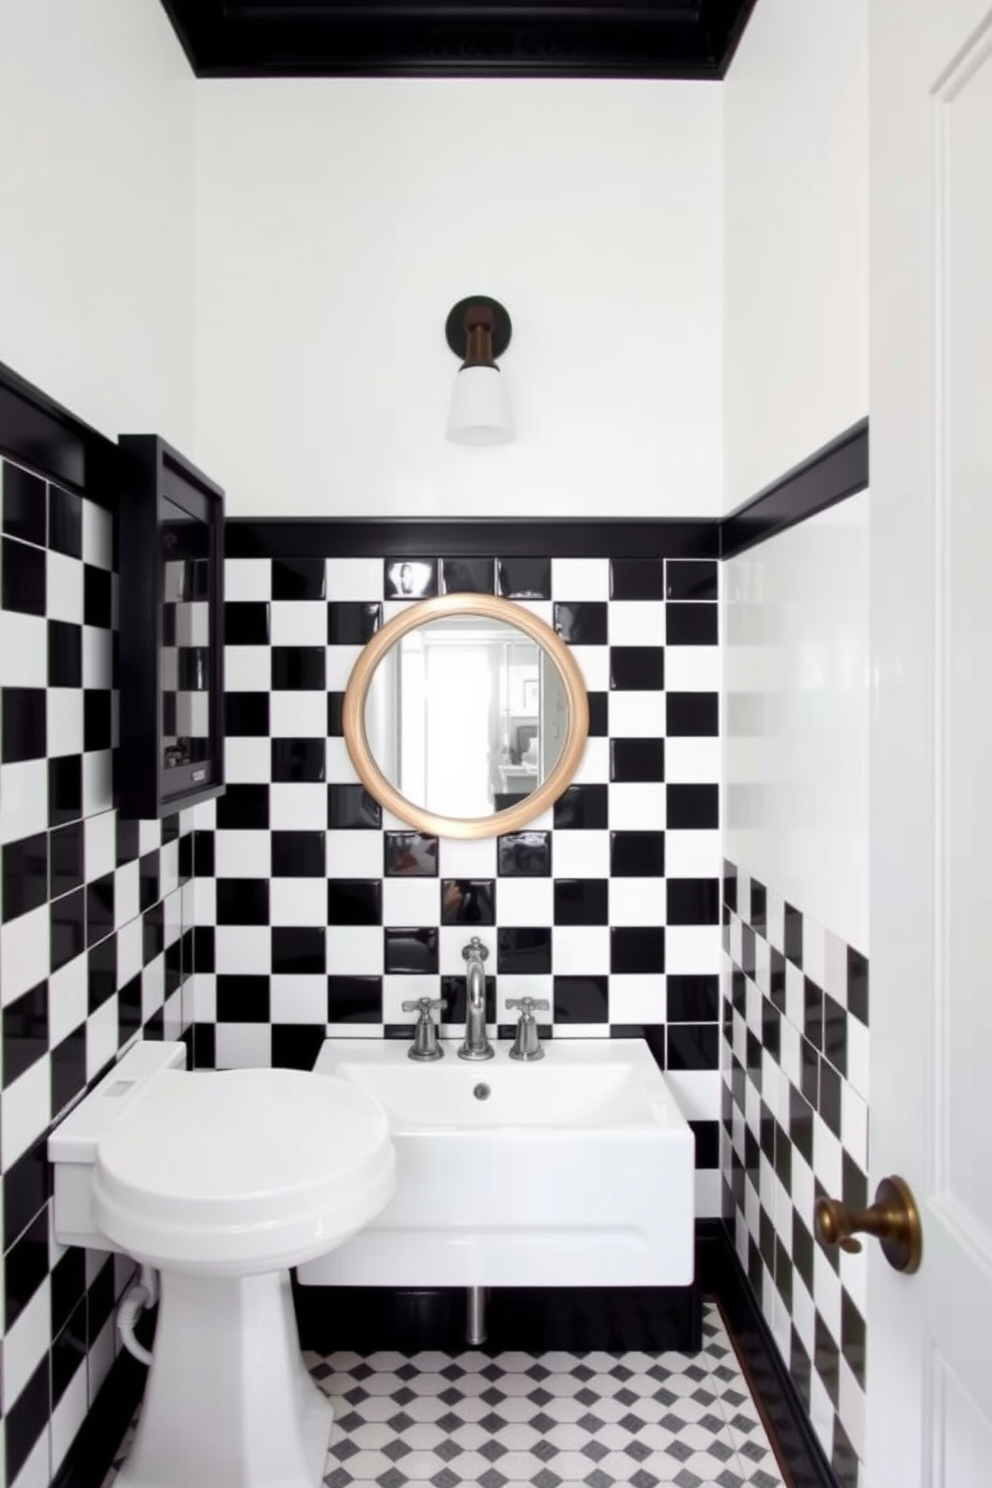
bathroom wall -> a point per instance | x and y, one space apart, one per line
796 943
317 914
795 143
337 222
96 202
95 945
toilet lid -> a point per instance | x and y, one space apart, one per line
243 1169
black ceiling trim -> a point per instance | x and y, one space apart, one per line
459 38
454 537
829 475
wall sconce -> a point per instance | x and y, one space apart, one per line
478 329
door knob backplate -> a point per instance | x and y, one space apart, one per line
893 1219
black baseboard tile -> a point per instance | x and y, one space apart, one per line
827 476
461 537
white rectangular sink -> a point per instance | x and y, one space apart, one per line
574 1170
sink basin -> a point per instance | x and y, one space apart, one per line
576 1170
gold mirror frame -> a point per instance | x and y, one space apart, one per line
418 817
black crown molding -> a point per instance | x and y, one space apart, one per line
46 438
459 38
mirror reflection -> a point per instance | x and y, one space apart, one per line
185 670
465 716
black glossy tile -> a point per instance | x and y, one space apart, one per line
67 930
525 952
170 828
826 1358
242 901
97 597
335 715
354 999
99 908
23 505
354 901
298 668
65 654
468 576
350 623
68 1353
128 840
582 808
693 1046
771 1029
852 1337
582 901
27 1185
693 806
298 855
691 624
25 1032
793 935
97 719
813 1013
65 522
693 999
246 715
829 1107
707 1137
691 578
129 1009
468 901
296 1045
453 994
692 715
246 623
65 847
693 901
350 807
25 1268
835 1033
523 578
854 1183
101 972
69 1066
25 875
204 948
99 1301
809 1072
637 668
582 622
298 578
22 577
411 951
857 984
409 578
637 950
243 999
299 760
759 907
637 854
581 999
410 855
637 578
524 855
68 1285
244 807
777 980
23 724
637 760
299 950
599 707
148 879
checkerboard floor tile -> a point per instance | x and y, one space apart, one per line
553 1420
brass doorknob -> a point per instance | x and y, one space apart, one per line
893 1219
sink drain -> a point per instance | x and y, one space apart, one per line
482 1092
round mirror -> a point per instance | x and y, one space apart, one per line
466 716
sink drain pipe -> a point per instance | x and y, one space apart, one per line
475 1316
144 1293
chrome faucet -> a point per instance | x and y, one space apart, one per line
476 1043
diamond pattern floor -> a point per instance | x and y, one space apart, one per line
556 1420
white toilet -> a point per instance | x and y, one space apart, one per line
222 1181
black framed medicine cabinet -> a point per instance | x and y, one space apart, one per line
171 557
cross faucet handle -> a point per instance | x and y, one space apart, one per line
425 1005
425 1045
528 1005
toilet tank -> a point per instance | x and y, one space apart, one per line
73 1144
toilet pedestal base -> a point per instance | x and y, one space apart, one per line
229 1403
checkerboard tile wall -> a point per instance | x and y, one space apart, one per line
318 914
795 1127
95 945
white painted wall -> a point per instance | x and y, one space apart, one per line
796 684
96 237
796 247
337 223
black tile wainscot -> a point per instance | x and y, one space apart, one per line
96 938
795 1127
317 915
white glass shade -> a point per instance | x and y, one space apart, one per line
480 409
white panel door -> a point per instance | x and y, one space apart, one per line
929 1411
